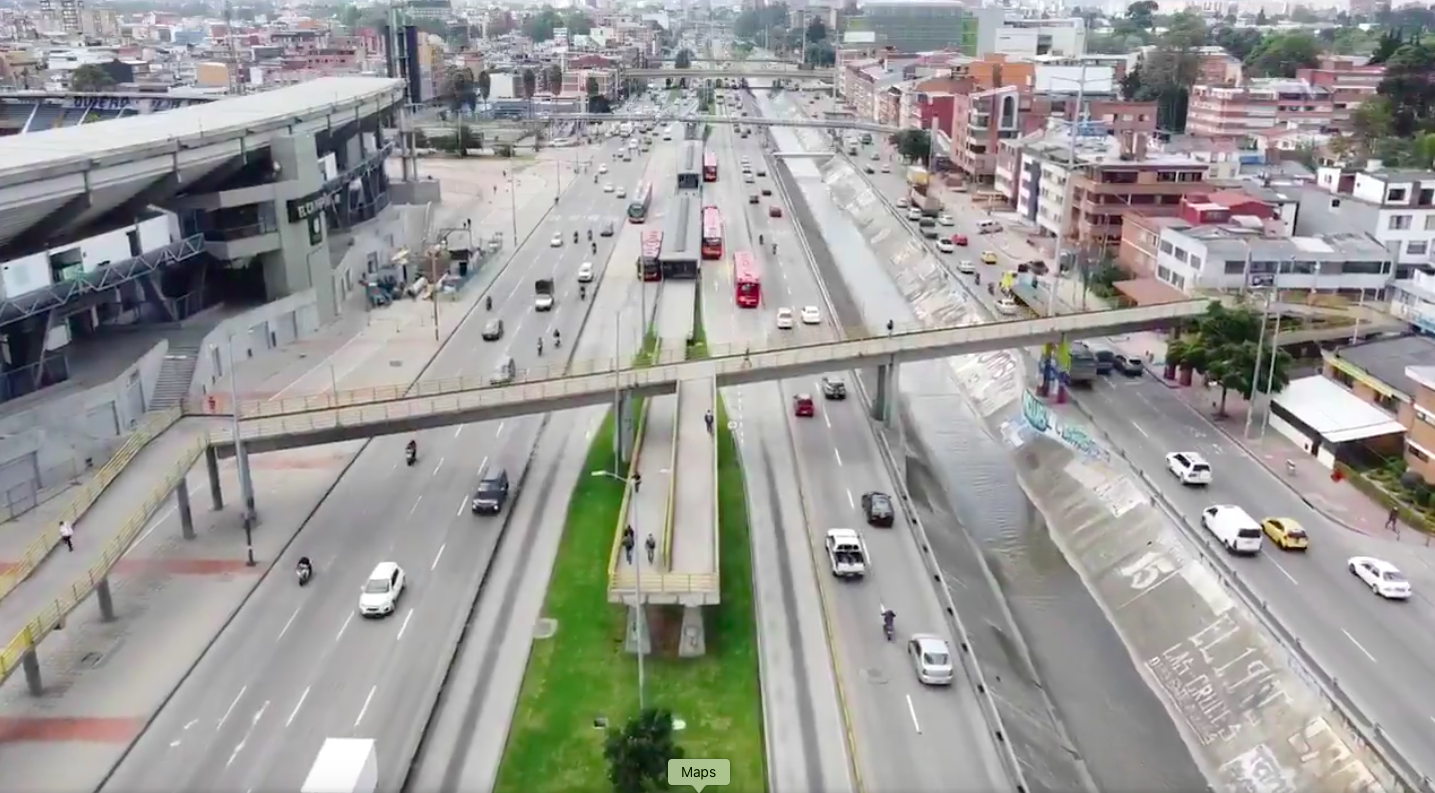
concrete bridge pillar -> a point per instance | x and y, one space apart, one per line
625 427
637 634
105 599
886 392
211 463
248 516
30 662
693 642
186 514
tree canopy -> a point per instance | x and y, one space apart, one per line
89 79
540 26
1227 348
638 754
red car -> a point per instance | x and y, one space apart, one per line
803 406
959 239
774 211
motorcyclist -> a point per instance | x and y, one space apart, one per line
557 339
594 246
759 240
488 303
305 567
575 236
889 619
590 234
540 345
582 291
412 449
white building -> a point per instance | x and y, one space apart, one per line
1397 208
1414 301
1247 253
1033 38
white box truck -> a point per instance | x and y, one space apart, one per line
344 765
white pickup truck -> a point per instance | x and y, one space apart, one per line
344 765
847 552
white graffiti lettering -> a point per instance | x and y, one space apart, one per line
1148 571
1256 771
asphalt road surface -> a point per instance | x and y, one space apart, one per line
299 665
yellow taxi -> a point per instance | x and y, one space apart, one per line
989 257
1286 533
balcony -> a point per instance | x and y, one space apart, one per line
237 242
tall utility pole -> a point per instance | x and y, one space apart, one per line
236 82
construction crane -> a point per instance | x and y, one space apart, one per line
236 82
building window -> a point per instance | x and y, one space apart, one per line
1399 222
1430 222
1395 194
1342 377
1196 262
1417 247
1388 403
1414 451
1167 247
1235 266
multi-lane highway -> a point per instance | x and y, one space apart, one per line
906 736
298 665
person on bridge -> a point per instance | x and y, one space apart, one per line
67 535
708 420
628 537
637 481
652 546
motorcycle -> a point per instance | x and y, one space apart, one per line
595 247
304 573
889 625
411 456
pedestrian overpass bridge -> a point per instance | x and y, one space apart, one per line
707 74
348 415
866 126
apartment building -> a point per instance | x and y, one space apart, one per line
1397 376
918 25
1260 105
1349 82
1032 38
575 82
928 103
1397 208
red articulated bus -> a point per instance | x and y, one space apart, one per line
709 166
638 208
747 285
649 269
712 233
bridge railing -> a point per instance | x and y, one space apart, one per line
555 380
625 584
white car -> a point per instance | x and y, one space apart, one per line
622 192
1007 306
946 220
966 266
811 316
784 319
1189 467
931 659
380 595
556 241
603 168
902 202
608 188
886 168
1383 578
946 246
585 273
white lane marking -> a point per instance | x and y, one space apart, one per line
345 626
1138 429
482 466
405 626
826 420
232 705
1284 573
415 507
365 709
459 431
463 503
297 706
1358 645
437 467
500 429
912 709
287 624
838 455
438 556
851 503
243 742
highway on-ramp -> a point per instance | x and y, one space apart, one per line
907 736
297 666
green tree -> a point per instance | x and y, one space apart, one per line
578 23
1281 56
90 79
1239 42
483 84
638 754
458 88
816 30
591 87
684 59
539 26
1409 84
529 81
1142 14
914 144
553 78
1261 20
1227 348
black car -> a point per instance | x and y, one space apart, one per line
1129 365
492 492
877 507
1105 361
493 330
833 389
762 172
767 191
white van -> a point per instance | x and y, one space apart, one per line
989 227
1236 530
585 272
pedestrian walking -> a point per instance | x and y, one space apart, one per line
1392 520
652 546
628 542
67 535
708 420
637 481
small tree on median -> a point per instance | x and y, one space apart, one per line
638 754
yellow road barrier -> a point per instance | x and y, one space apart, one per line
90 492
55 612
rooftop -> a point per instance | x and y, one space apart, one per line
1247 237
1399 177
1055 145
1387 359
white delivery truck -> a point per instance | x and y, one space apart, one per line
847 553
344 765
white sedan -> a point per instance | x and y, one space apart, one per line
1007 306
1383 578
946 220
811 316
608 188
380 595
966 266
556 241
603 168
946 246
931 659
784 319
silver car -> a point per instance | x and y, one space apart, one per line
931 659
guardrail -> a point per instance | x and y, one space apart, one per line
670 508
53 614
666 584
89 493
717 501
725 359
626 503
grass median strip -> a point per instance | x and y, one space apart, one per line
582 673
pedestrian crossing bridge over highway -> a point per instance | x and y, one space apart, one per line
347 415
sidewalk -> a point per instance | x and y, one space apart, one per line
694 499
648 507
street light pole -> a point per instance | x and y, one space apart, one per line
1260 348
1067 190
513 195
241 461
642 617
